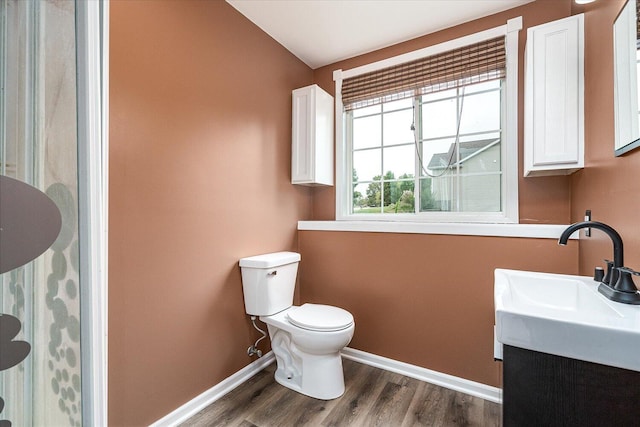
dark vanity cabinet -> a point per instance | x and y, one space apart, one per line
541 389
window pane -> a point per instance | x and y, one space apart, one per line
480 193
439 95
391 193
480 154
399 161
367 164
439 119
370 198
399 196
479 87
471 184
466 193
397 105
437 154
397 127
374 109
436 194
479 112
366 198
366 132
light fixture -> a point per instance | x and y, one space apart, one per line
584 1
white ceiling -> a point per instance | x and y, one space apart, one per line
321 32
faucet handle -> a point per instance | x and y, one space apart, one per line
625 282
628 270
611 274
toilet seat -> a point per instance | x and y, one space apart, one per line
319 317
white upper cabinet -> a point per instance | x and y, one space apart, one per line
554 98
312 137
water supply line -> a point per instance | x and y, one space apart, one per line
253 350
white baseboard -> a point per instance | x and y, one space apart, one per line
472 388
205 399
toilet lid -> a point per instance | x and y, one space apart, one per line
318 317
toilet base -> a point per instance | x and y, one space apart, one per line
320 377
308 362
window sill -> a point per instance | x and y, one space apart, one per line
534 231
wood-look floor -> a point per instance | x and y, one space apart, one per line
373 397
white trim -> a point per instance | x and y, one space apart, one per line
198 403
472 388
342 156
510 178
531 231
510 213
92 97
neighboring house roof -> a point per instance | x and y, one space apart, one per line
468 150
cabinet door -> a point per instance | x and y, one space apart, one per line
554 116
542 389
312 137
302 128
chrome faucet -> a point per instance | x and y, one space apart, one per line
617 284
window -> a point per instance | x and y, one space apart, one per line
444 149
406 157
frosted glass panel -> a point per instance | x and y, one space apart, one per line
39 147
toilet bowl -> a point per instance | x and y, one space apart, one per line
306 340
308 357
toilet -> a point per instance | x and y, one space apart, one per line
306 339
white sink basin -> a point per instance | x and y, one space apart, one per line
566 316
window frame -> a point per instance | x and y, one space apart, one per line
509 144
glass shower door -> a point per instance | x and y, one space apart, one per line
39 146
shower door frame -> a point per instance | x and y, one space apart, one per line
92 47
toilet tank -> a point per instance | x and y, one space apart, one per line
268 282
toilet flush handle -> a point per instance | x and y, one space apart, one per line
273 273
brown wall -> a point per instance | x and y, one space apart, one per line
199 177
422 299
428 299
608 185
